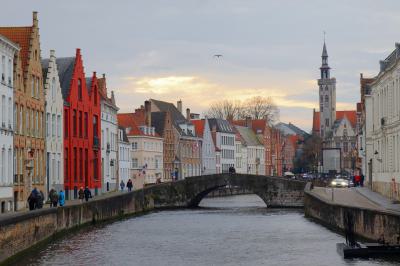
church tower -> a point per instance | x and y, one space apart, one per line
327 96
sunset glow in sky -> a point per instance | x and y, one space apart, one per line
164 49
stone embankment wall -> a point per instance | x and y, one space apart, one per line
368 223
20 231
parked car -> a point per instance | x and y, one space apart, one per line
340 182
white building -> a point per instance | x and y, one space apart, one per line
251 154
225 142
382 128
208 153
7 51
124 153
109 138
54 125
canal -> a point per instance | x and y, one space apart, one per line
236 230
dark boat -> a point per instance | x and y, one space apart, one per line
355 249
366 250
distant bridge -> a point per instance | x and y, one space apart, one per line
274 191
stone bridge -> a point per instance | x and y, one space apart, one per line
22 230
274 191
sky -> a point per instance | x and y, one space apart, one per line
164 49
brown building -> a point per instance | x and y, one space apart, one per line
29 145
187 146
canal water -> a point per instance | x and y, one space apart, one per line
236 230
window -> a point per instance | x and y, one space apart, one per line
327 122
95 125
85 124
33 86
3 68
15 117
80 89
3 111
81 164
59 126
9 73
66 166
86 163
53 125
80 124
20 120
74 122
134 163
75 165
66 118
345 147
326 98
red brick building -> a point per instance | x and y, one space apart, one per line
81 126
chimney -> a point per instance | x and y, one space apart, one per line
104 75
188 114
94 73
35 19
179 106
248 121
78 51
147 113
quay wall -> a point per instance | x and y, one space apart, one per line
369 224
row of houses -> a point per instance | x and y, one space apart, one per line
61 128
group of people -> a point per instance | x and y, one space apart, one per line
36 198
129 185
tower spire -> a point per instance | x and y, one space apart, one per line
325 67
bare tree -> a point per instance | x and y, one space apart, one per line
259 107
226 109
256 107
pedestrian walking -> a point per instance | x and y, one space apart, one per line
81 194
40 199
53 197
129 185
87 193
122 185
362 180
61 198
32 199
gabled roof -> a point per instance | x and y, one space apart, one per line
258 125
350 115
22 37
128 120
290 129
248 136
199 126
65 67
221 125
158 122
176 116
45 67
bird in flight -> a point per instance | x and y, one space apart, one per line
218 55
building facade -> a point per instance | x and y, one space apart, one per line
82 149
208 154
54 124
124 153
253 151
146 148
225 142
8 51
109 137
187 157
382 145
29 142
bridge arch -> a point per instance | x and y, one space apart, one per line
274 191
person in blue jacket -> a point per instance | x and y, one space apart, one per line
61 198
